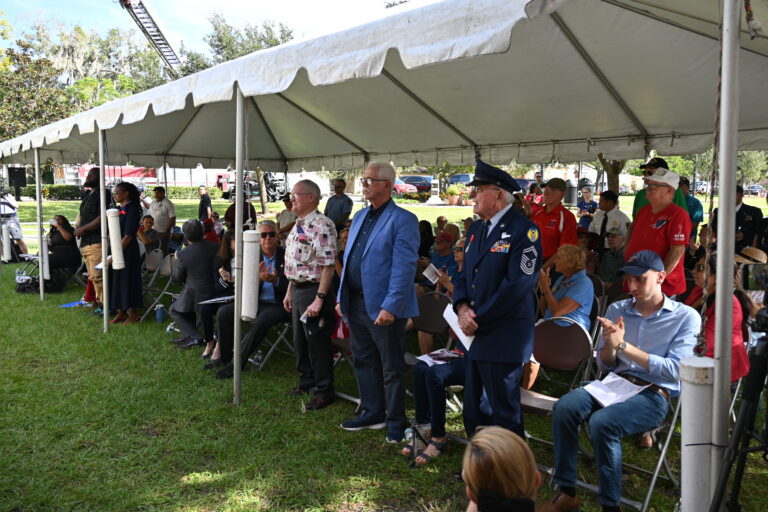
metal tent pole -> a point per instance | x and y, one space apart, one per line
40 237
727 148
104 235
239 205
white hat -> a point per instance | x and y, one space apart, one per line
665 176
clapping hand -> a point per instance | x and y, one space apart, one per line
613 332
544 281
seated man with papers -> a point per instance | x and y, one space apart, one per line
643 340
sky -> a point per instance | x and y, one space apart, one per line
187 20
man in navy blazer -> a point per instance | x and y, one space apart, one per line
377 296
494 300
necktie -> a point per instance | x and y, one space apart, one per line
484 232
603 227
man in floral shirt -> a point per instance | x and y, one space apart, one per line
310 258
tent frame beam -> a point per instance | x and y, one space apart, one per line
183 129
429 109
269 131
322 123
599 74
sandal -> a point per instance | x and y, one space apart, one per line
440 447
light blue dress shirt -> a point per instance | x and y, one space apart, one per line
668 335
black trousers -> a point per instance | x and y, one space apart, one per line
314 352
269 315
501 383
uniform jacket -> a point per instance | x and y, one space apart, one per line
194 269
388 264
498 282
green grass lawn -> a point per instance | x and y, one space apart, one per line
123 421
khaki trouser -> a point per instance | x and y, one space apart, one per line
92 257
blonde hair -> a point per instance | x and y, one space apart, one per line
497 460
453 229
573 255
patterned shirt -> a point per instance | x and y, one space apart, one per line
310 246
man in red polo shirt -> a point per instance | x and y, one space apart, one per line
556 224
662 227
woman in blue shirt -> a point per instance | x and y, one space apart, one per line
587 207
572 294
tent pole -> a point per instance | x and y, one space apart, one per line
239 205
40 237
728 153
104 235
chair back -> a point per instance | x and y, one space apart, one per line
153 260
597 285
561 347
431 307
168 265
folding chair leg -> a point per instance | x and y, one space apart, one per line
663 460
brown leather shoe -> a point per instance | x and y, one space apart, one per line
560 503
318 402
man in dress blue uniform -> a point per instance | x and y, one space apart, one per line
494 300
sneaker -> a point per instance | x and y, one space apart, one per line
362 423
395 435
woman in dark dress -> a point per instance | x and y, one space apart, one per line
62 244
125 294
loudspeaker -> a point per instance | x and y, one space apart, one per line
17 177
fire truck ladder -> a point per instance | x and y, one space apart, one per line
149 27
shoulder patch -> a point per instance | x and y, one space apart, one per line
533 234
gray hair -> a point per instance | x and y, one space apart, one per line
268 223
509 197
384 170
193 230
311 187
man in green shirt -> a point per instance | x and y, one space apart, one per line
649 168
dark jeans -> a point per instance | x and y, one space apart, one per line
378 354
607 426
269 315
501 383
314 352
429 383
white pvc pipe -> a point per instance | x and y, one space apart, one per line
240 139
697 375
104 236
115 240
726 229
7 254
42 240
251 250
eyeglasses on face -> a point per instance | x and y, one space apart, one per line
294 195
648 173
270 234
479 188
458 249
654 185
370 181
699 267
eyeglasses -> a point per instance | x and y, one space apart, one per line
370 181
476 190
654 185
270 234
648 173
458 249
699 267
294 195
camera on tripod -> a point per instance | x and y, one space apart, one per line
755 283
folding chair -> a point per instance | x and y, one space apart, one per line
344 351
282 339
165 271
152 263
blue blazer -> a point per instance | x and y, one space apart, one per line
498 282
388 264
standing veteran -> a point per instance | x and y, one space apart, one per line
310 259
494 300
377 296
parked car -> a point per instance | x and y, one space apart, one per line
402 188
273 182
422 183
460 179
754 190
524 184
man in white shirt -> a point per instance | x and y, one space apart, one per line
9 214
608 218
164 213
285 219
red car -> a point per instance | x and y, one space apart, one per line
401 188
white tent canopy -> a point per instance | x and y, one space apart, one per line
531 81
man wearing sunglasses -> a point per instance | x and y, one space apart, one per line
272 287
339 205
664 228
649 169
377 296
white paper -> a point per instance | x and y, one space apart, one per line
439 356
453 322
219 300
431 273
430 362
304 317
100 266
613 389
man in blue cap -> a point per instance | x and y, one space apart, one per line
493 298
643 340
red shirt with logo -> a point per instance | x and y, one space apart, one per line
557 228
658 232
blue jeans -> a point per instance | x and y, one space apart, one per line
378 356
607 426
429 383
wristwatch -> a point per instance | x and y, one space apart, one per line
322 296
621 347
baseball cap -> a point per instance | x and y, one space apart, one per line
444 237
614 232
685 181
666 177
556 183
641 262
655 163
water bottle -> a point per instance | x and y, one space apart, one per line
257 358
159 313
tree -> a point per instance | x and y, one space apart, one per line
752 166
30 93
5 34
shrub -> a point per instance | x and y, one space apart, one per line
420 196
187 192
453 190
55 192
